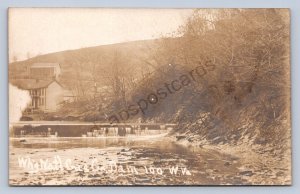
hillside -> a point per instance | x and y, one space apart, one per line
128 56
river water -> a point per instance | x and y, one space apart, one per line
118 161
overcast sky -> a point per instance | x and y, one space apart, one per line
34 31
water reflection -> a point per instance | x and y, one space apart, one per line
69 143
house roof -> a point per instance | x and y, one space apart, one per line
38 65
28 84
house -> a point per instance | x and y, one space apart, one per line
44 88
46 95
44 70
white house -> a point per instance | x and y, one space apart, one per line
46 95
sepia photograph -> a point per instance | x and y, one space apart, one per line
156 97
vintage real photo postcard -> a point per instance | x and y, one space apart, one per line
102 96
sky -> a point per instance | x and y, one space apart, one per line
35 31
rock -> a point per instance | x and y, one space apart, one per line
280 173
209 170
179 137
247 173
227 164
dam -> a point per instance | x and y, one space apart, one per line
86 129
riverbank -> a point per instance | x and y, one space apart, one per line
260 164
114 163
120 162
